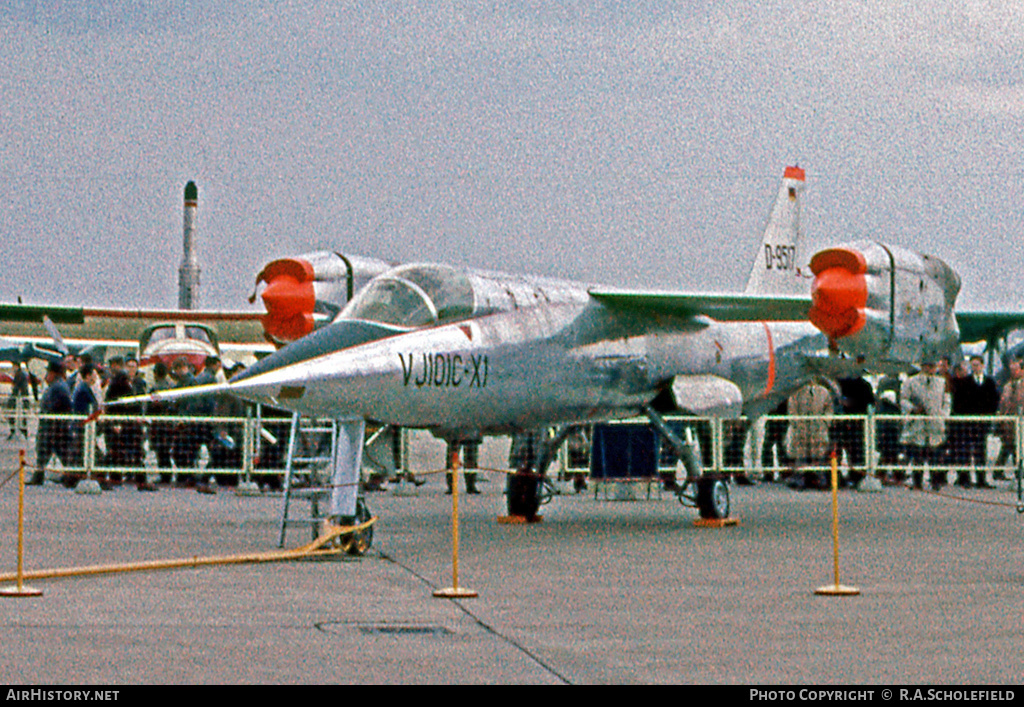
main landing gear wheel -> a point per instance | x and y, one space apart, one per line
359 542
713 499
524 495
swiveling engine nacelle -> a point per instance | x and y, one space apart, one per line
885 304
310 289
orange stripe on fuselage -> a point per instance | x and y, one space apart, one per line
771 361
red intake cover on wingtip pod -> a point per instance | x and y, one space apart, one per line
839 297
848 258
289 299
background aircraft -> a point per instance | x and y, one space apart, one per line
25 351
465 353
55 349
302 293
114 328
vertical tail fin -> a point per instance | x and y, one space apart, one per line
777 268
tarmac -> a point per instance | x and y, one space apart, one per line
599 592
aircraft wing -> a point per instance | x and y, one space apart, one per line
987 326
721 307
124 325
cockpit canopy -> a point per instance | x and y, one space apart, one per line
414 296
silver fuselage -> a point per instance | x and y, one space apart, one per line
534 353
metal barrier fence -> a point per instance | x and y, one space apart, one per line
17 412
257 445
875 445
228 448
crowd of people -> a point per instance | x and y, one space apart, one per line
930 421
80 387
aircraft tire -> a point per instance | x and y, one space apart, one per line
713 499
523 495
358 543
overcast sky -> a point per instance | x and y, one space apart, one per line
625 143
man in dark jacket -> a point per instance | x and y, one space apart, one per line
186 446
856 398
52 437
973 394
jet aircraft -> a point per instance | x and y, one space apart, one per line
302 293
465 352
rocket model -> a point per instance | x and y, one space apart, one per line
188 272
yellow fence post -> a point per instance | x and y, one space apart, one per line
20 590
836 589
455 591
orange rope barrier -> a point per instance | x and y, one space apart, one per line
314 549
962 498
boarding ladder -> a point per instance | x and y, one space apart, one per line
307 472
